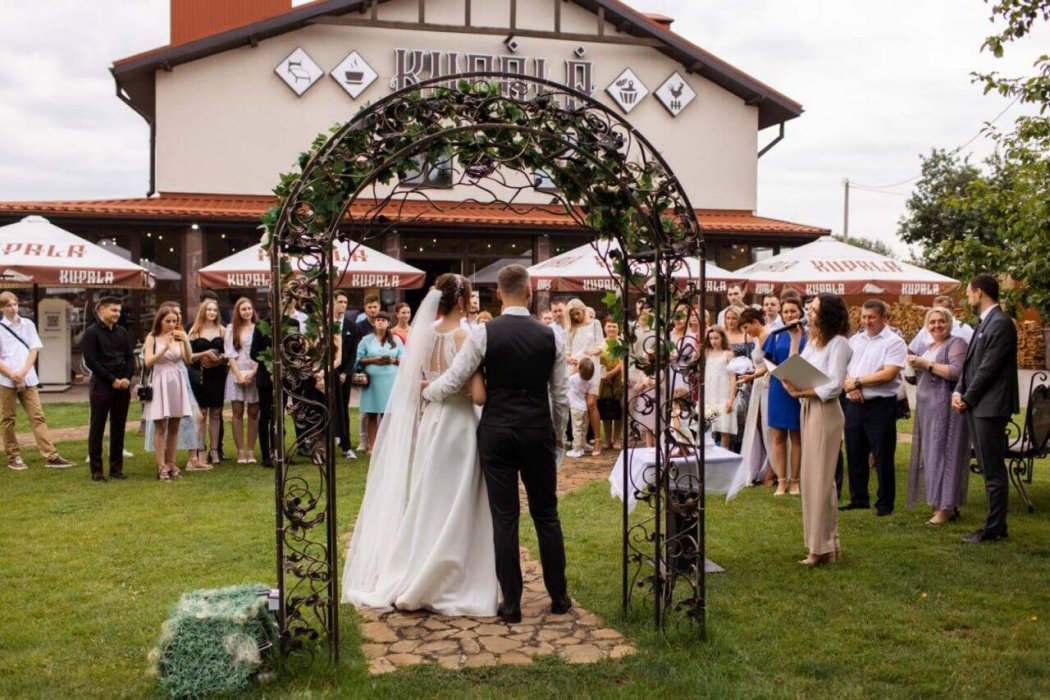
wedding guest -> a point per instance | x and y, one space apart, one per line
685 347
224 320
579 389
735 297
546 317
264 384
987 396
642 349
771 312
923 339
583 340
349 337
19 346
720 383
483 317
872 380
209 371
166 352
378 355
241 391
365 326
403 316
940 442
822 427
610 390
560 324
784 410
692 324
741 345
757 441
108 353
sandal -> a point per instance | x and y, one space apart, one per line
173 472
213 457
782 484
793 488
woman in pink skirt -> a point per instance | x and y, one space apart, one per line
165 351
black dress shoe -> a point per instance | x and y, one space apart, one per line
98 476
983 535
883 513
853 506
560 607
119 476
511 616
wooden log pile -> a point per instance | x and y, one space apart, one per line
1031 347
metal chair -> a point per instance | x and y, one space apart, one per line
1032 441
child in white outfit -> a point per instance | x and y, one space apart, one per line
579 384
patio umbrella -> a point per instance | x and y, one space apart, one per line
828 265
583 269
34 251
360 266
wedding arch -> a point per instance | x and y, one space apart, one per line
501 138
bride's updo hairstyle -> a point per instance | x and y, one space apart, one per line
453 287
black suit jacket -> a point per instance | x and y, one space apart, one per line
260 342
351 336
989 378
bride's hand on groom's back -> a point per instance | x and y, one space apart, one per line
423 384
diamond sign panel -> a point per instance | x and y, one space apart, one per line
354 74
675 94
298 71
627 90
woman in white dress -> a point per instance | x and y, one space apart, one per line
720 382
584 338
423 538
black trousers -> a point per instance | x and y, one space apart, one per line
871 428
342 417
266 424
107 404
506 453
989 442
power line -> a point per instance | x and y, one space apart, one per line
872 188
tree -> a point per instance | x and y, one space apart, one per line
867 244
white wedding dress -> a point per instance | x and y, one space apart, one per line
423 538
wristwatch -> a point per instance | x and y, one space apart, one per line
857 385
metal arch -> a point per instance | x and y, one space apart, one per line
669 566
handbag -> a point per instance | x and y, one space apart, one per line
145 390
359 379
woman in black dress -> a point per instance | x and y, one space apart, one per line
208 372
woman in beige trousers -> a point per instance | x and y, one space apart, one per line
822 427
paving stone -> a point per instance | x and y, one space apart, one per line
441 647
380 666
397 620
586 618
499 645
566 641
374 651
523 637
618 652
404 646
405 659
464 623
545 635
378 632
538 649
440 634
464 634
413 632
480 660
580 634
470 646
606 633
514 658
451 662
582 654
486 630
433 624
368 613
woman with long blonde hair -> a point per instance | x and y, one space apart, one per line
208 378
166 348
241 391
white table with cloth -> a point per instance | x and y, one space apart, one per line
724 473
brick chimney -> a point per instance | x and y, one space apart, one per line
663 20
193 19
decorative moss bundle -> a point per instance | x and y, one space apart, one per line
215 641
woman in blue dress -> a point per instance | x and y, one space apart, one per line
784 411
378 355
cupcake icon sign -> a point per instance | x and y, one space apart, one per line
628 92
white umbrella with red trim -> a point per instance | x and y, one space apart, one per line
35 251
359 266
829 265
584 269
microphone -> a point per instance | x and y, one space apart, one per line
801 323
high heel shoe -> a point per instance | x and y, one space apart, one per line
241 458
793 488
213 457
782 487
819 559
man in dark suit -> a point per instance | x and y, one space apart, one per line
350 335
525 377
987 395
264 383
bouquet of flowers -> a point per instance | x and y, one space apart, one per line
711 411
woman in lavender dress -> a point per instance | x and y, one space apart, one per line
940 448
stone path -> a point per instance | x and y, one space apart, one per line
400 639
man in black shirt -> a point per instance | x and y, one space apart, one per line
109 354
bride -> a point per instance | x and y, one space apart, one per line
423 538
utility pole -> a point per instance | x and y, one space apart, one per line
845 209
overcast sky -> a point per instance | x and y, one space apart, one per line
881 83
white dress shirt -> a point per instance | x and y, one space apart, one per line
471 355
832 360
13 354
872 353
774 324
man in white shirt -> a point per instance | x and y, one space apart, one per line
19 345
872 380
558 312
735 294
923 339
771 312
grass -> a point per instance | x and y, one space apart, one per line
62 415
91 570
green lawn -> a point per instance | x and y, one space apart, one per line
91 570
65 415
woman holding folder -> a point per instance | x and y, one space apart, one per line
822 427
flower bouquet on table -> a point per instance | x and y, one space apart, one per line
711 412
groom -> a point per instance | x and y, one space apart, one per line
526 383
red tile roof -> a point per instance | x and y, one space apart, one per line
249 208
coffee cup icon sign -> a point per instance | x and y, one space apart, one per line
628 92
354 76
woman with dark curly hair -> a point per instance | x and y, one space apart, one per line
823 425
